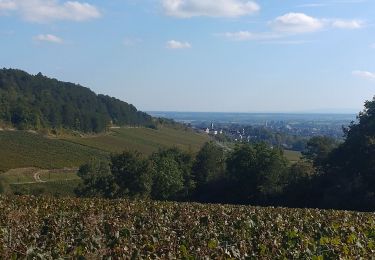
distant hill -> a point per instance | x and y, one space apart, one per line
37 102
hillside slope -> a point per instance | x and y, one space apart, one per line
25 149
144 140
35 102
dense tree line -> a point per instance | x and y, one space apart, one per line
35 102
330 175
276 138
249 174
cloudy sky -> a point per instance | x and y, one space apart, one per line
200 55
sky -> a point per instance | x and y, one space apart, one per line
200 55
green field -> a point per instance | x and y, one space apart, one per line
51 228
292 156
33 175
59 188
144 140
23 149
39 181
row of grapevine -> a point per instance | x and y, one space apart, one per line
51 228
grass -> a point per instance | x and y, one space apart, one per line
21 175
57 188
292 156
144 140
59 175
23 149
50 182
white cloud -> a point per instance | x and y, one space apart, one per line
372 45
172 44
330 3
48 38
364 74
293 24
51 10
348 24
211 8
6 5
296 23
247 36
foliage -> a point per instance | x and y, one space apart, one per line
184 162
36 102
350 170
258 171
97 180
275 138
132 174
49 228
168 179
209 164
318 149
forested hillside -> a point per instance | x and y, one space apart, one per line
36 102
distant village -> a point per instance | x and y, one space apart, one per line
232 133
276 133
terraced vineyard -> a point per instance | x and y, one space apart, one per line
24 149
144 140
48 228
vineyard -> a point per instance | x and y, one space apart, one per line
50 228
23 149
144 140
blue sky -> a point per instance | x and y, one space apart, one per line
200 55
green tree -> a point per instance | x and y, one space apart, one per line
298 191
350 172
209 164
258 171
132 173
318 149
184 161
301 170
168 180
97 180
32 102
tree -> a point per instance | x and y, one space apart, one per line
132 174
298 191
31 102
350 171
184 161
97 180
168 179
209 164
258 171
301 170
318 149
